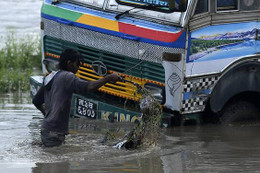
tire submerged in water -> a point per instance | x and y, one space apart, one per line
238 111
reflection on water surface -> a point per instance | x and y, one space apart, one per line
206 148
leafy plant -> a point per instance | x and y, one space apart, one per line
18 58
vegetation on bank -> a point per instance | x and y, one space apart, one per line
203 45
19 58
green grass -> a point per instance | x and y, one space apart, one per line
203 45
18 59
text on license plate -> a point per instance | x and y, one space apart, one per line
86 108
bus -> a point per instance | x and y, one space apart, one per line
194 56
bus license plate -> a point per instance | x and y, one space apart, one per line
86 108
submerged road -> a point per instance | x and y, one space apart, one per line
206 148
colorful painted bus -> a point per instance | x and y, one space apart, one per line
193 55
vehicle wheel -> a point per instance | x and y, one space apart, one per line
239 110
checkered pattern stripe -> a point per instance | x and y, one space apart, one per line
195 86
199 84
193 104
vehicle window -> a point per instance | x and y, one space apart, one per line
156 5
227 5
249 5
202 6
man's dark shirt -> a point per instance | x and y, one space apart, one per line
57 96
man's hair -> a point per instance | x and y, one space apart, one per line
68 55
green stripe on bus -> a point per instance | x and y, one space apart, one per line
61 13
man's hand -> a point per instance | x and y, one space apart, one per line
113 78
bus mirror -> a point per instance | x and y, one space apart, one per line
178 5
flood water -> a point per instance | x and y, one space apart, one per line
205 148
21 17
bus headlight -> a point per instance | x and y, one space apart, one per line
51 65
157 91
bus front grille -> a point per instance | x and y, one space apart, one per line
138 71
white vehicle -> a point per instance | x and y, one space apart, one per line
193 55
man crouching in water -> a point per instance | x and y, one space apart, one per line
54 97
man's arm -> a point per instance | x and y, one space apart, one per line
38 100
94 85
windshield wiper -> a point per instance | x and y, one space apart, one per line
123 13
148 7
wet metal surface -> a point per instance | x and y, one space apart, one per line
206 148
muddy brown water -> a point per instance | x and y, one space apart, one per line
205 148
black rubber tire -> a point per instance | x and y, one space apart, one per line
239 110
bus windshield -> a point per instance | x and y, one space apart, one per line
167 6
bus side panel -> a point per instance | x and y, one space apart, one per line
212 50
219 45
